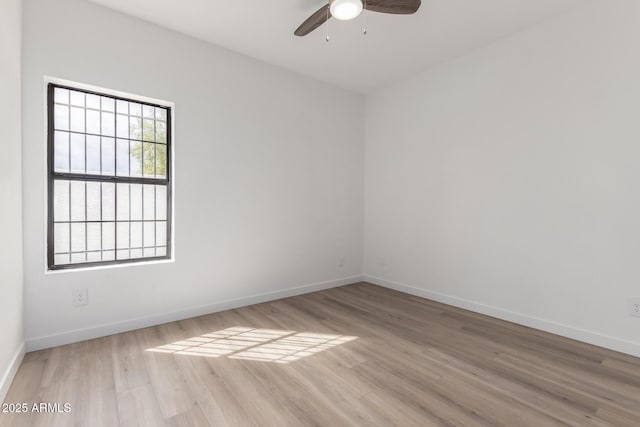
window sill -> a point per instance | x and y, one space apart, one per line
110 266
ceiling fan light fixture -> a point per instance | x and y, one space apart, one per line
345 10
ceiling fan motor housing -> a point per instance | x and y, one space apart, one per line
345 10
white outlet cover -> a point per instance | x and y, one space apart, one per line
80 297
634 307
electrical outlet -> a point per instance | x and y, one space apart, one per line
80 297
634 307
341 261
382 261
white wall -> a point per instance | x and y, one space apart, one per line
268 174
11 345
508 181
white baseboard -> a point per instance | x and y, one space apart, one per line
590 337
98 331
10 372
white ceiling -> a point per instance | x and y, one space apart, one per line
395 46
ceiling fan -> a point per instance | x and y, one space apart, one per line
345 10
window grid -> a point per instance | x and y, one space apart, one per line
148 181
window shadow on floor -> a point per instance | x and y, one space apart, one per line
265 345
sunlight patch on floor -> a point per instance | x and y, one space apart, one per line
266 345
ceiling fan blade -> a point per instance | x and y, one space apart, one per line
397 7
314 21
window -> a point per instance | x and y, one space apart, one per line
109 179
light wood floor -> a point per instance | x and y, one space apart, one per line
355 355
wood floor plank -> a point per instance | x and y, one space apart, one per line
193 417
348 356
307 409
172 392
138 406
129 370
218 405
99 404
